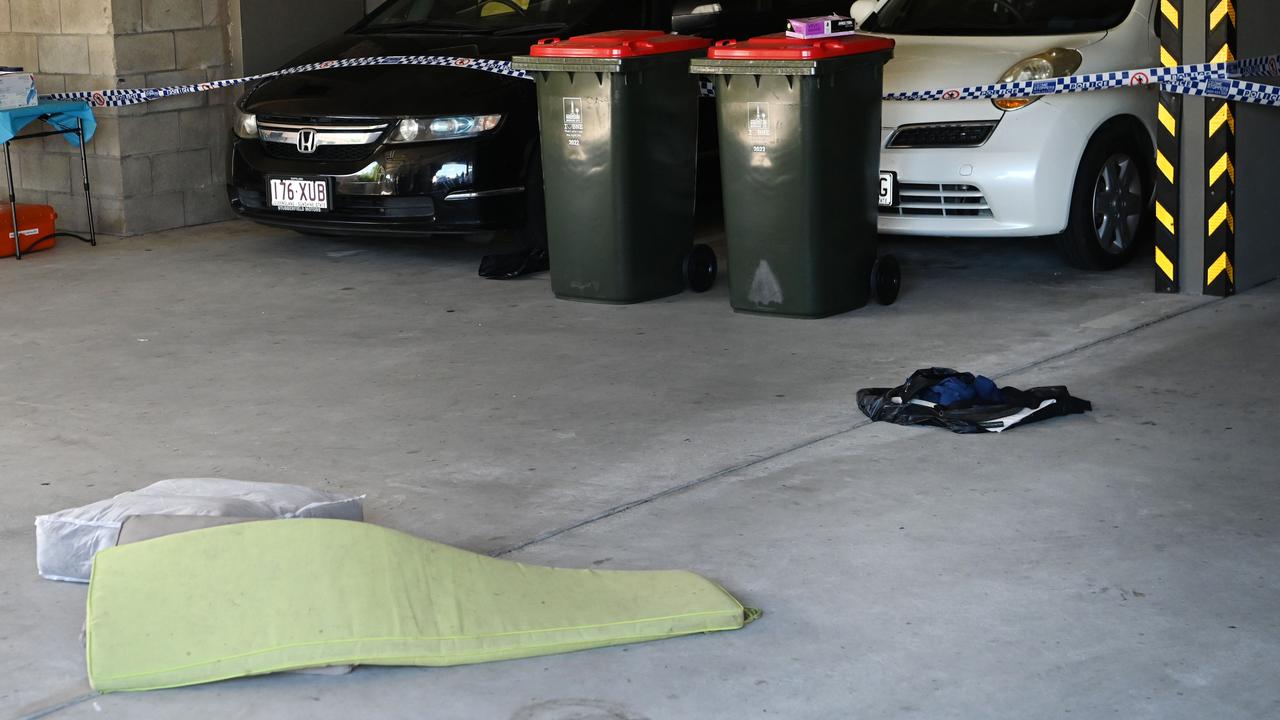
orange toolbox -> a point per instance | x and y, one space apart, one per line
38 224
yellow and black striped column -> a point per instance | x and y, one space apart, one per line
1220 161
1168 154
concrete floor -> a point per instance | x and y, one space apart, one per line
1117 564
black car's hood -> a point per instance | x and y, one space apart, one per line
393 91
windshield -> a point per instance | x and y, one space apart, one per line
481 16
998 17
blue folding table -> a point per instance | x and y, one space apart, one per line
72 120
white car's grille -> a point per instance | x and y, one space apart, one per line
957 134
939 200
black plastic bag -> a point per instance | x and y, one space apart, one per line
517 264
904 405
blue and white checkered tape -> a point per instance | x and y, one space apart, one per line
137 96
1169 77
1231 90
1215 79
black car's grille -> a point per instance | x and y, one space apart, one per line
960 134
333 153
328 139
351 207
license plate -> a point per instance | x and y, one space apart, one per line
300 194
888 189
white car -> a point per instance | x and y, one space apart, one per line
1079 167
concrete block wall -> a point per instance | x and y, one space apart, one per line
153 167
67 44
161 165
177 146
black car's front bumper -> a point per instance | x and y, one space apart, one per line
454 186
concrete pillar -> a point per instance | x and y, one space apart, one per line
154 166
1193 169
161 165
1258 157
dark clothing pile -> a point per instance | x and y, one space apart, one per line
965 403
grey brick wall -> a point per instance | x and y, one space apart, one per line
153 167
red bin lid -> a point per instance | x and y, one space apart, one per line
618 44
781 47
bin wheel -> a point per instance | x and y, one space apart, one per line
886 280
701 268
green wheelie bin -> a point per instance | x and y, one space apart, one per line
800 155
619 135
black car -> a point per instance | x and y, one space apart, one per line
411 150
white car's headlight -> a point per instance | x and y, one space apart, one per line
1057 62
412 130
245 125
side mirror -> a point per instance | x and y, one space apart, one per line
863 9
692 16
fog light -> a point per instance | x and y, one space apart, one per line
407 131
245 125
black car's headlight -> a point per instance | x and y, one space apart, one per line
453 127
245 125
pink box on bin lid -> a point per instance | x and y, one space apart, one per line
824 26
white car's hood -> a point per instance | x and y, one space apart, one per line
940 63
935 63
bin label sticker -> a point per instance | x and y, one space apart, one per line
573 120
765 288
758 120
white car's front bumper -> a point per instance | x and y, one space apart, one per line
1018 184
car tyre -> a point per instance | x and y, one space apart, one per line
1110 217
886 280
701 268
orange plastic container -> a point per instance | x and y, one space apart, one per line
38 223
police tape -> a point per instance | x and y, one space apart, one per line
137 96
1219 80
1230 90
1221 77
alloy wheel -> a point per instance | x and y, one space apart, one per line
1117 204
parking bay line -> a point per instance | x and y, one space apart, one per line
754 461
757 460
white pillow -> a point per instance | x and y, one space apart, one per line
66 541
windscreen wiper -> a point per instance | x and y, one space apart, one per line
945 30
428 27
531 29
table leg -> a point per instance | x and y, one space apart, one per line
88 199
13 203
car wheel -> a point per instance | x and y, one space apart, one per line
1109 207
701 268
886 280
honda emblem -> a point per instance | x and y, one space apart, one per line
306 141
